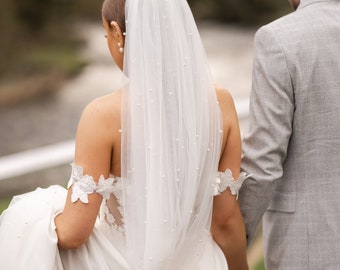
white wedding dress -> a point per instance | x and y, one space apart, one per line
157 216
28 239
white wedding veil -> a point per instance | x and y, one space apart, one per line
171 135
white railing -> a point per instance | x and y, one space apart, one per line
36 159
61 153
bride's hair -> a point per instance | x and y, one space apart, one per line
114 10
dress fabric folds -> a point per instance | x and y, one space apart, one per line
28 239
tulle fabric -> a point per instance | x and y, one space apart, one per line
171 136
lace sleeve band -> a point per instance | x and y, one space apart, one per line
83 185
226 180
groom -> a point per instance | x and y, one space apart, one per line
292 147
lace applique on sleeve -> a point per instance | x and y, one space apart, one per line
105 187
226 180
83 185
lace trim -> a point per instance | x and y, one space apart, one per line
83 185
226 180
109 218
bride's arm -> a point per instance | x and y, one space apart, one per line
227 227
93 153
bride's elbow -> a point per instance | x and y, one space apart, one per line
220 230
224 223
69 240
68 236
70 244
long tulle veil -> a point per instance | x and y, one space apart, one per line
171 135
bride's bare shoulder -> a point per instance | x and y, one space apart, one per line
107 105
111 100
225 101
227 107
104 109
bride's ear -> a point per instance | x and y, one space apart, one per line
116 32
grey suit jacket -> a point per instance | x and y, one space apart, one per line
293 144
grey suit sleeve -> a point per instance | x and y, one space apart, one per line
270 126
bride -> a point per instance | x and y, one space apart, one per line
152 184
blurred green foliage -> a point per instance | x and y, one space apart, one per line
38 35
28 25
253 12
259 265
4 202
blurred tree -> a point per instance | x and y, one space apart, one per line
30 26
241 11
32 14
88 10
9 30
38 35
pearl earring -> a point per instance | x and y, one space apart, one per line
121 48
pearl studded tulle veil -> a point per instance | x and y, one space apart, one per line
170 135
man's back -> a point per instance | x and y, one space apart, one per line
293 146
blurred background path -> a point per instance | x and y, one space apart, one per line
53 118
